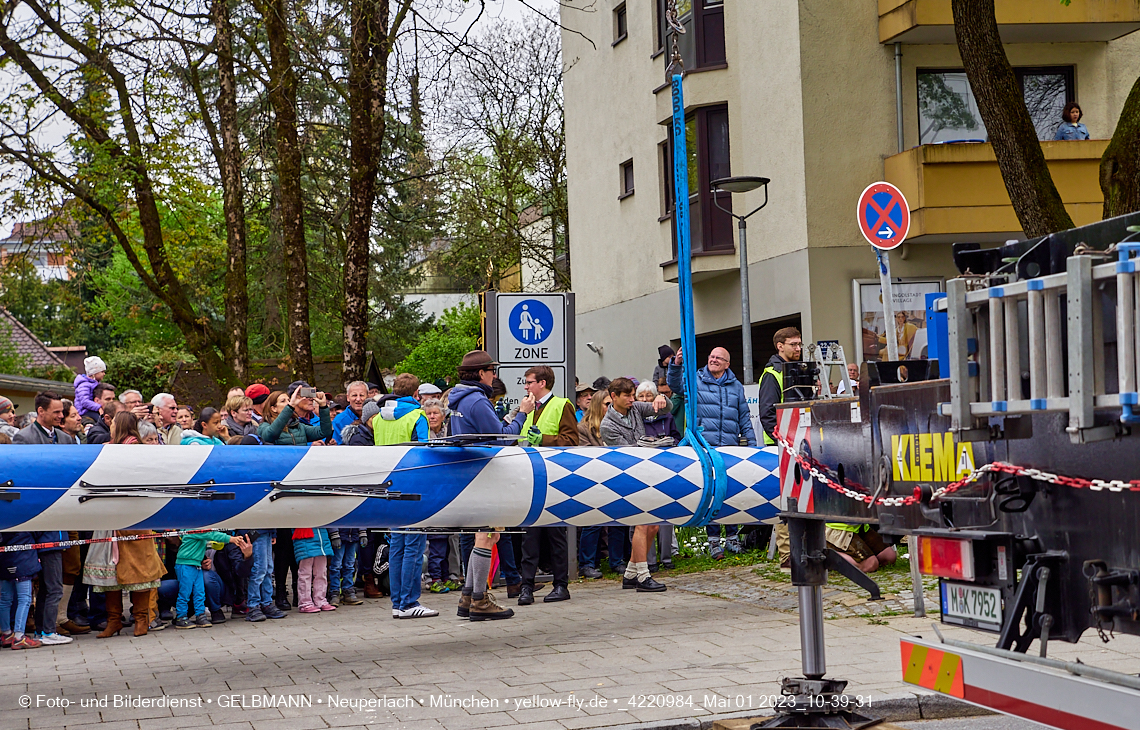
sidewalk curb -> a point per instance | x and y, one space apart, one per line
895 709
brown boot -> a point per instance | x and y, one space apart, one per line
370 589
485 609
513 590
114 614
73 628
464 606
140 609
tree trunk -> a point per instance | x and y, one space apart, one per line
367 92
229 167
283 97
1001 102
1120 165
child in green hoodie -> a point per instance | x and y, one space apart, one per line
191 584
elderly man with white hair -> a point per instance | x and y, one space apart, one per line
166 418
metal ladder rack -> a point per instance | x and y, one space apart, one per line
996 324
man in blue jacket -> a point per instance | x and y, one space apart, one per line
472 413
722 413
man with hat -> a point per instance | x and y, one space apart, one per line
583 394
307 412
472 413
8 417
428 390
258 393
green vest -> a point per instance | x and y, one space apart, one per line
548 420
779 376
848 528
389 433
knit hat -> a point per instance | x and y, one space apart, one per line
663 352
6 405
257 393
369 411
94 365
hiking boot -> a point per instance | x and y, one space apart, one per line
370 589
334 599
733 546
10 638
464 606
27 642
254 615
486 609
202 621
350 599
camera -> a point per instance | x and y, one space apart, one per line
307 392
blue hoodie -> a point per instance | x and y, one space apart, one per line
342 421
472 412
394 410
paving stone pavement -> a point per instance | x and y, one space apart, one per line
678 654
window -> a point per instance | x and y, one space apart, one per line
621 24
707 144
626 179
947 110
702 45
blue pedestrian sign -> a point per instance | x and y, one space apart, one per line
884 216
531 322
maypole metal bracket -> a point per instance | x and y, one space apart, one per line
153 491
369 491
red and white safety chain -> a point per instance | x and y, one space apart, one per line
92 540
818 472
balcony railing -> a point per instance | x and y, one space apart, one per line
956 192
1019 21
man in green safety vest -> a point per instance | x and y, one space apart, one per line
551 423
400 421
789 345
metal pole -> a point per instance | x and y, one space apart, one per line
888 304
812 650
745 308
916 578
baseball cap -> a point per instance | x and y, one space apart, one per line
429 389
257 392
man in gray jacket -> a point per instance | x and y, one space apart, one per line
623 425
49 414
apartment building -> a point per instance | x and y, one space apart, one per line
807 93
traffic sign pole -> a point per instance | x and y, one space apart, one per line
884 220
888 303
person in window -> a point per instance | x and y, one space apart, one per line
1071 127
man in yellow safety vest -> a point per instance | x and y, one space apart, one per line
551 423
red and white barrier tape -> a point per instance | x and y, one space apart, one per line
90 541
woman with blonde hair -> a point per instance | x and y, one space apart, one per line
589 433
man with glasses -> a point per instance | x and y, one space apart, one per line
166 418
789 346
472 413
722 411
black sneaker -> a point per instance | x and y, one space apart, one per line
283 606
184 623
217 617
202 622
254 615
273 612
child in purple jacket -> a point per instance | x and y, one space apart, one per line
96 370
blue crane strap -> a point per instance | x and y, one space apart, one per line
712 465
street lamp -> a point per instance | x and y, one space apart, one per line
743 185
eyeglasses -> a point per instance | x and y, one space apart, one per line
529 382
718 358
795 345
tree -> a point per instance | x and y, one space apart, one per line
82 66
440 351
1120 164
1001 103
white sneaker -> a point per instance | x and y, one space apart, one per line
396 613
418 611
54 638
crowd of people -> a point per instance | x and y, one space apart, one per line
186 581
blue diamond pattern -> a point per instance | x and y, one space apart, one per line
572 485
619 509
620 459
670 511
624 484
568 509
671 461
678 487
569 461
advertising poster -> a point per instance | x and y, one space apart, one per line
909 327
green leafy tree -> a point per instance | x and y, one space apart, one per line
441 350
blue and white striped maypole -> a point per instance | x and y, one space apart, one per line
715 479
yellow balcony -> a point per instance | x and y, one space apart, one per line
1019 21
956 193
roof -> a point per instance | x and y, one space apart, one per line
45 230
27 344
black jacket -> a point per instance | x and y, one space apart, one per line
100 433
770 395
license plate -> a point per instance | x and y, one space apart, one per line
971 605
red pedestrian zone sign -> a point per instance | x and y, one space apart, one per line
884 216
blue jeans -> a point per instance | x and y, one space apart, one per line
437 557
19 592
730 531
588 546
168 592
405 568
342 568
260 592
191 584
